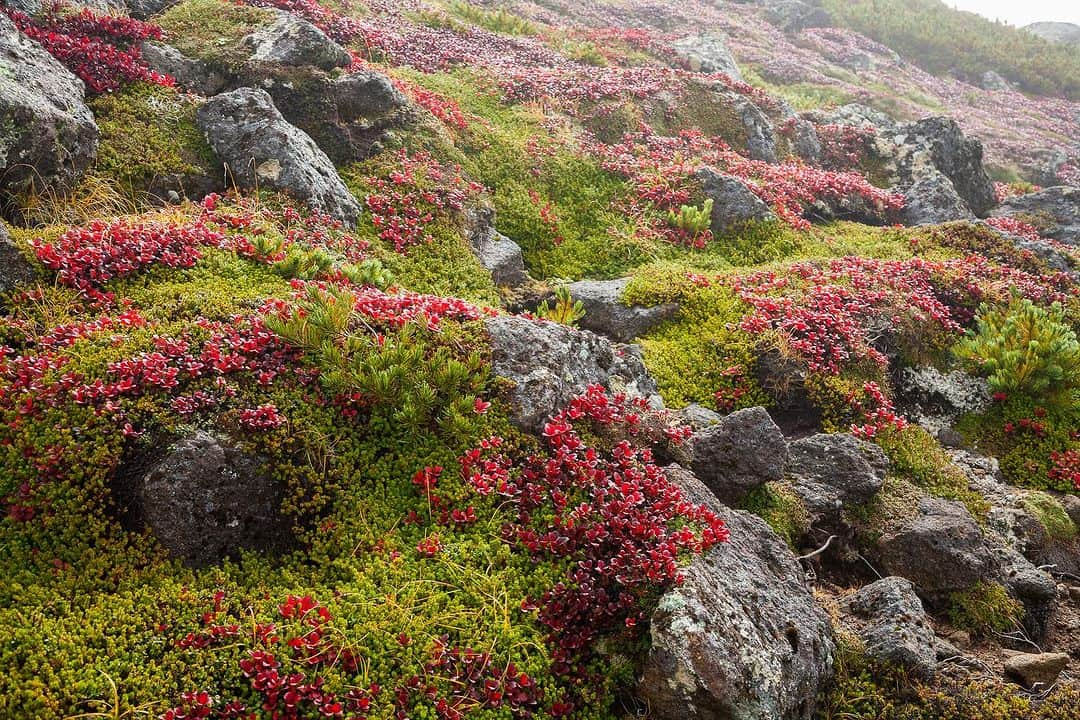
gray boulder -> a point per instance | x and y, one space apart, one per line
708 53
742 637
733 203
1034 588
204 500
936 399
15 269
1054 210
940 550
291 40
990 80
743 451
497 253
931 200
938 143
698 417
189 73
794 15
501 256
367 95
854 467
144 9
605 313
47 133
261 149
550 363
759 129
1071 503
349 117
890 620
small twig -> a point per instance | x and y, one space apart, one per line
820 550
872 568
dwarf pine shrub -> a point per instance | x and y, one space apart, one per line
1025 349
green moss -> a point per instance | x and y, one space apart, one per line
801 96
1024 451
148 133
1051 514
918 457
985 608
867 689
213 30
779 506
692 357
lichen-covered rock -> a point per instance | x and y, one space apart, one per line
1054 210
261 149
742 637
743 451
931 200
605 313
707 53
698 417
15 270
890 620
291 40
498 254
189 73
938 144
349 117
501 257
936 399
204 500
47 133
733 203
550 363
1033 587
759 129
854 467
940 550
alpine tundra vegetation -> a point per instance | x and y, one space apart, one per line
514 359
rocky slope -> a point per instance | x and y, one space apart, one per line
427 359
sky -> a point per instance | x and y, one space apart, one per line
1022 12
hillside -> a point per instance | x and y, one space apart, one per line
445 360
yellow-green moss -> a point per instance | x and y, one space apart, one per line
213 30
1051 514
984 609
779 506
148 133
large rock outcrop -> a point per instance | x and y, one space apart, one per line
742 637
349 116
262 149
205 500
550 363
47 133
1054 210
